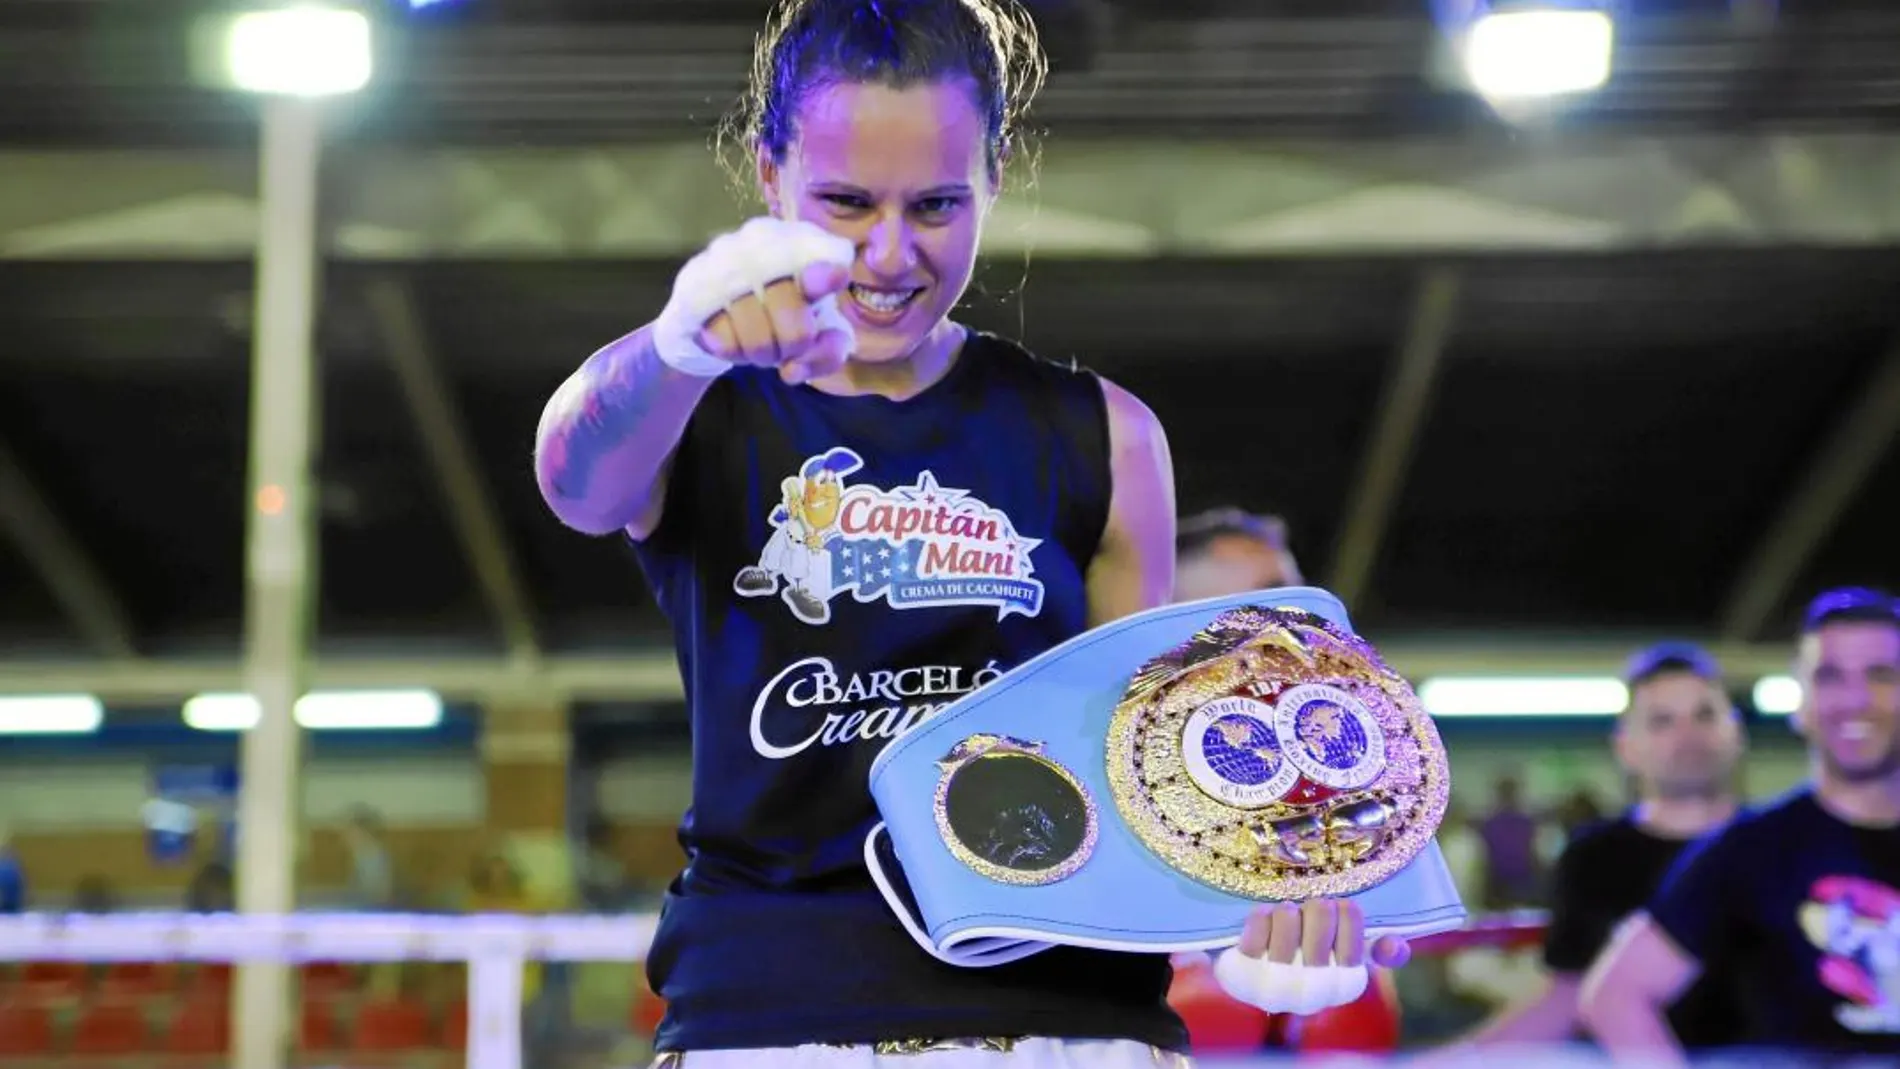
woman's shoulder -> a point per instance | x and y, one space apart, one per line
1130 418
1011 356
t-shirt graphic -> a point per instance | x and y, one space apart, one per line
913 547
1856 924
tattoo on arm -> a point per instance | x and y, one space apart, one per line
596 411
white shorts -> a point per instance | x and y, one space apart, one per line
1023 1054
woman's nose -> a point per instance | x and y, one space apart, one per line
890 248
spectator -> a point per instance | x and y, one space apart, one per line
95 894
1226 551
12 876
1512 872
372 875
602 879
211 890
495 885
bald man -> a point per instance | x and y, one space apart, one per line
1226 551
1217 553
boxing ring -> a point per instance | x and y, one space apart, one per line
493 947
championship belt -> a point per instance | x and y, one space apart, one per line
1147 784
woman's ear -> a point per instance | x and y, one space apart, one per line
769 173
1005 152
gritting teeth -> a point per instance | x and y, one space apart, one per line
880 300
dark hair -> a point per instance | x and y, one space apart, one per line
809 44
1852 604
1194 533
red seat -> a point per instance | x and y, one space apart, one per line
325 979
207 979
648 1009
49 981
135 979
453 1032
1367 1025
1216 1022
393 1025
110 1029
201 1028
25 1031
317 1029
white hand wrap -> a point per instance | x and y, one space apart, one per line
1288 988
738 265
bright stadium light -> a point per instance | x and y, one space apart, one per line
51 714
370 710
1505 696
221 712
361 710
306 51
1539 52
1777 695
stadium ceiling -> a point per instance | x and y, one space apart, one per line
591 72
1635 371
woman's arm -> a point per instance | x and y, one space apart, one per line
1628 992
1133 569
607 438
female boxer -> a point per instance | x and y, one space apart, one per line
953 505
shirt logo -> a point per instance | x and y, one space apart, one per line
1856 925
809 703
913 547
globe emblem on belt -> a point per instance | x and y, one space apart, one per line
1233 752
1241 750
1275 755
1332 738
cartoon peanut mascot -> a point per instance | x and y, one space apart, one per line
803 524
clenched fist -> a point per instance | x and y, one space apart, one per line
764 295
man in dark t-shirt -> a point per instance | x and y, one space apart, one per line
1795 904
1680 740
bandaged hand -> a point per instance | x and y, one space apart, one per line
764 295
1304 958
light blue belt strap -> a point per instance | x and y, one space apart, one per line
989 861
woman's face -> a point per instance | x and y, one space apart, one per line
904 174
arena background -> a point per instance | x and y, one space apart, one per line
1532 384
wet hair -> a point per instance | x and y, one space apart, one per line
808 45
1853 604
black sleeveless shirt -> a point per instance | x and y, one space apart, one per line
837 569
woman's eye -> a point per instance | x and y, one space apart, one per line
845 200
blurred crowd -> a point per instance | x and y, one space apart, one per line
380 879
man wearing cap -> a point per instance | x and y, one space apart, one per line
1680 741
1796 903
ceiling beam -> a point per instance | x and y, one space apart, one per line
1409 389
452 462
29 521
1835 474
654 675
1093 197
